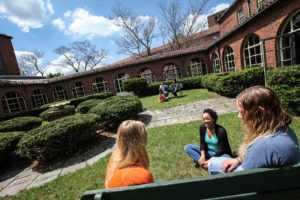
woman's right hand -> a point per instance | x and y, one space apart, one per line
201 161
230 164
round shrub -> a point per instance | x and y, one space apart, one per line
45 115
116 109
85 106
20 124
59 137
8 145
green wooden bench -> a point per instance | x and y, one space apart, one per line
271 183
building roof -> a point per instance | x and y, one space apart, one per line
7 36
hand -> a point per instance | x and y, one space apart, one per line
230 164
205 165
201 161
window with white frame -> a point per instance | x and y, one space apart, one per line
99 85
147 74
229 61
252 52
59 94
118 81
197 67
240 15
290 41
261 3
39 98
171 72
78 90
13 102
216 63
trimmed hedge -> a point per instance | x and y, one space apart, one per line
286 83
85 106
45 115
75 102
136 85
60 137
20 124
8 145
116 109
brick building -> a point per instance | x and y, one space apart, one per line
249 33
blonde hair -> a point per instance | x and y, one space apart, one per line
131 136
259 123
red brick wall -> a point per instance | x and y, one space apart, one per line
8 56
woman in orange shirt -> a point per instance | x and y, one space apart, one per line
162 97
129 163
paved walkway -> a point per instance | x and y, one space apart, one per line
15 181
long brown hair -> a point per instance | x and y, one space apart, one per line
259 123
131 136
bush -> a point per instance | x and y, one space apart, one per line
286 83
136 85
85 106
60 137
8 145
75 102
45 115
20 124
116 109
193 82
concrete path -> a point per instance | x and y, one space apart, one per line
15 181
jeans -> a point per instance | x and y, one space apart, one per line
215 166
166 93
194 152
174 92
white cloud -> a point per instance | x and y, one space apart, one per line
200 24
27 13
219 7
56 67
59 24
67 14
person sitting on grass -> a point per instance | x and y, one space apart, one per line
162 97
175 88
128 164
268 141
213 141
163 88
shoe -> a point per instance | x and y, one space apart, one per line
196 164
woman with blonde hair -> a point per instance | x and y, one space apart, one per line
129 163
268 140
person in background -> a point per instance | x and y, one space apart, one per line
163 88
268 141
213 141
162 97
128 164
175 88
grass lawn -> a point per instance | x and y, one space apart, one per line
168 160
151 102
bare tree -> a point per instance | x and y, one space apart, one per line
30 63
178 26
80 56
137 32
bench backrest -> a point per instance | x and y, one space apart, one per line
271 183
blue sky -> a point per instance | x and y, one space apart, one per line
47 24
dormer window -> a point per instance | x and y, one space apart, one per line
241 17
261 3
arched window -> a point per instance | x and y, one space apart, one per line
290 43
252 52
13 102
39 98
197 67
99 85
147 74
229 61
170 72
59 94
78 90
118 81
216 63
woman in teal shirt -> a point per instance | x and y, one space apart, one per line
213 141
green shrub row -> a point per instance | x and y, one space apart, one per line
75 102
286 83
116 109
8 146
85 106
20 124
46 116
136 85
59 137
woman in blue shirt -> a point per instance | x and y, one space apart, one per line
213 141
268 141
